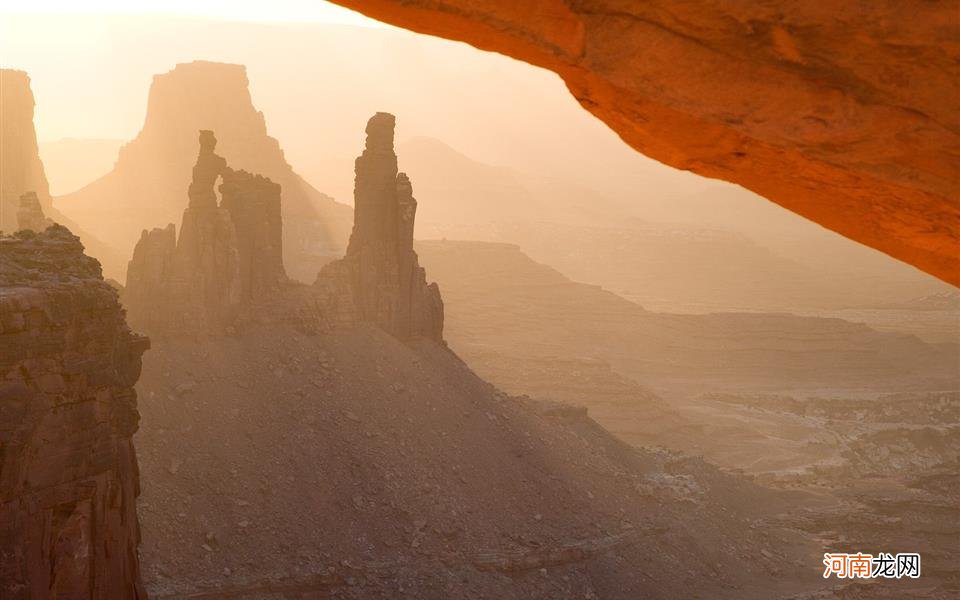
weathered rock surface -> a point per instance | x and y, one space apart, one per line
229 252
30 214
227 268
380 280
844 113
68 412
21 170
146 185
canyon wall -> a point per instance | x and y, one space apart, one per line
844 113
68 411
380 279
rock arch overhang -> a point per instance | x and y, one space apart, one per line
847 113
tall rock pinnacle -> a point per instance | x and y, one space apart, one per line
229 254
380 279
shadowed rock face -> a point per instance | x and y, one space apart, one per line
147 185
68 470
380 279
844 113
229 253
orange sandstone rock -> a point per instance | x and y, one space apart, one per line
847 113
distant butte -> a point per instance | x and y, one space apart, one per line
845 113
146 187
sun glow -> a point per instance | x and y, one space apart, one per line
314 11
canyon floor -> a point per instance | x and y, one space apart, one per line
878 469
277 464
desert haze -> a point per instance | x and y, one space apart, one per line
295 304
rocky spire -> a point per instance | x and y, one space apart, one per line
20 167
229 254
380 279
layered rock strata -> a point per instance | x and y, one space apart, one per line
844 113
380 280
68 412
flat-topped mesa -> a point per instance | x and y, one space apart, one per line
30 213
380 280
68 469
228 256
147 185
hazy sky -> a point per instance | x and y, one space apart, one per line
246 10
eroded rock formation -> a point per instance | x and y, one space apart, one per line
844 113
229 252
21 170
146 185
380 279
68 412
30 214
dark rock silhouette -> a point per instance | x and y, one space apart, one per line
229 253
68 470
30 214
380 279
147 185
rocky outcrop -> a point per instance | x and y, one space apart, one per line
146 186
253 202
68 412
843 113
21 170
380 280
30 214
229 254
